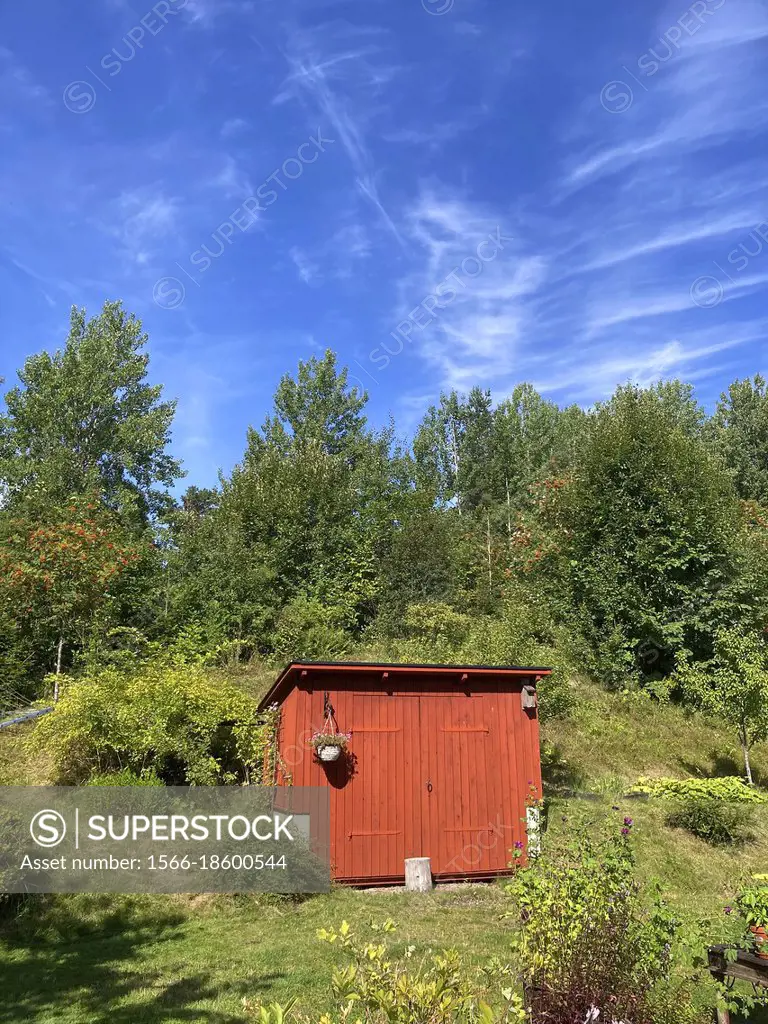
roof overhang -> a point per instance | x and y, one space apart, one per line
296 670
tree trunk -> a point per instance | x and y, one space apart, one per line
490 564
745 751
59 654
509 513
455 460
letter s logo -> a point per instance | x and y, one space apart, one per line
48 828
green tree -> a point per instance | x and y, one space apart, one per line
64 572
452 450
739 430
732 686
639 542
85 420
305 517
532 438
318 406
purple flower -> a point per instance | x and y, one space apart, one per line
628 822
625 831
518 845
729 910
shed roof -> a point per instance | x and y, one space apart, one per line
288 678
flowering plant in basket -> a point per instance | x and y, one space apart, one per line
330 739
329 745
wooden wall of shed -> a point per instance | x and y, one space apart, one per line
433 770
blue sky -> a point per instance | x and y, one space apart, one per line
447 192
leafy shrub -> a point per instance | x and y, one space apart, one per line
431 632
752 903
179 723
523 634
125 777
373 987
196 643
715 821
308 629
730 787
591 937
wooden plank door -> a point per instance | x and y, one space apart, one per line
468 815
378 811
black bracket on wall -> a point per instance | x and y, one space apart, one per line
328 710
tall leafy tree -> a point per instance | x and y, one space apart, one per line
452 450
532 438
639 542
732 686
740 432
306 515
317 405
64 573
85 419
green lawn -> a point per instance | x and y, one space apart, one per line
142 960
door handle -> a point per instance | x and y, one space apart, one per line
429 787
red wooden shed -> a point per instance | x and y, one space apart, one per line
441 761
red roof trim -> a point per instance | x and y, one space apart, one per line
287 678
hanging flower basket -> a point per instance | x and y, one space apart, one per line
329 746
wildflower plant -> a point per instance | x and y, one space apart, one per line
592 941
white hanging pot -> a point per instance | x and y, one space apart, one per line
329 753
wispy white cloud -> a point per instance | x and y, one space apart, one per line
487 282
339 258
687 356
142 219
234 126
680 97
306 269
232 180
204 13
677 236
336 78
16 81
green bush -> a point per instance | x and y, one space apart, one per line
592 937
307 629
125 777
521 634
431 632
525 634
730 788
179 723
715 821
375 987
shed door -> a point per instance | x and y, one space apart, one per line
431 775
378 812
469 819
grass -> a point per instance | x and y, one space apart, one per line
619 737
141 960
608 743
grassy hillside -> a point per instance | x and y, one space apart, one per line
178 959
612 740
